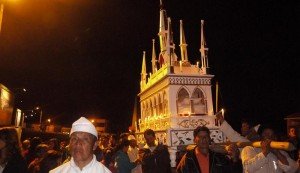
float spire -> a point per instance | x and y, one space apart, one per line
162 33
203 50
143 72
154 67
171 56
183 45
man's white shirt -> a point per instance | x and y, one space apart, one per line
70 167
254 160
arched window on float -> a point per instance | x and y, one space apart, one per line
160 105
143 110
147 109
151 108
198 102
183 102
154 106
165 103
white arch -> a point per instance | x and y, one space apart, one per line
183 101
199 87
198 102
183 87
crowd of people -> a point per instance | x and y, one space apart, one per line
88 152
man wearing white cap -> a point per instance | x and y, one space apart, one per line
83 142
133 152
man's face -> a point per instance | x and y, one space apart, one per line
112 141
150 140
51 145
126 149
202 139
82 145
62 144
104 141
133 143
268 134
292 132
245 129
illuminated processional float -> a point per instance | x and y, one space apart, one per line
176 96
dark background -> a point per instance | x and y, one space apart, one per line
84 57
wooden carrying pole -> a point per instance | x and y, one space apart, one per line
287 146
221 147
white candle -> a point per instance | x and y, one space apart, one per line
180 65
222 110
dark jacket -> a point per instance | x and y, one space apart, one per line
157 161
16 164
218 163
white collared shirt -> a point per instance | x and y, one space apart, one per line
2 168
70 167
254 161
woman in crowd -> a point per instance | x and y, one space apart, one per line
54 144
34 142
11 160
122 161
25 147
40 152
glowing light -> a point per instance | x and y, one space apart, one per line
223 111
180 63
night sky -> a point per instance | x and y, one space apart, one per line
84 57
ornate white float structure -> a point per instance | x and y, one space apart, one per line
176 96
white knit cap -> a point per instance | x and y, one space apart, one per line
131 137
256 127
84 125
